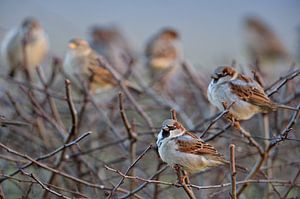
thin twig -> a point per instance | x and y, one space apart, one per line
129 168
233 172
44 186
47 155
73 132
115 74
44 166
226 110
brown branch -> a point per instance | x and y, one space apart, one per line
53 93
132 136
49 185
293 182
128 169
44 156
73 131
41 112
58 172
284 134
150 181
142 186
226 110
251 140
18 109
31 175
99 110
109 144
103 62
226 127
49 98
162 101
233 172
271 89
197 80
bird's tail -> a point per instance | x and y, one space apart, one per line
133 87
238 167
244 170
288 107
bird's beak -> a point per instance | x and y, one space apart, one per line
215 76
72 45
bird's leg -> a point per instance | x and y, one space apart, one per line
180 177
234 122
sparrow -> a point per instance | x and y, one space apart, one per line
164 57
262 41
110 42
245 95
25 47
82 59
178 147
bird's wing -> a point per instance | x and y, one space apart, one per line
193 145
251 93
160 48
101 75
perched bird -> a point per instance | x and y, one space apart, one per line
248 97
163 53
263 43
178 147
25 48
110 42
81 59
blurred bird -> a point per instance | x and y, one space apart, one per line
263 43
113 45
25 48
163 53
178 147
248 97
81 59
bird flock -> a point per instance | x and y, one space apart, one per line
26 47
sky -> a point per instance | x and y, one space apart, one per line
211 31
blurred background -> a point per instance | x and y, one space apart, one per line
211 31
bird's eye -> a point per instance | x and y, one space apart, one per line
171 128
165 133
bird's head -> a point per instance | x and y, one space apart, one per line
170 128
79 46
224 73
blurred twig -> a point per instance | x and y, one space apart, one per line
233 172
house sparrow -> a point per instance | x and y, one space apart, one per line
163 49
248 97
178 147
263 43
30 38
164 58
113 45
81 59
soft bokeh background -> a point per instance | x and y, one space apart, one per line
212 31
212 34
